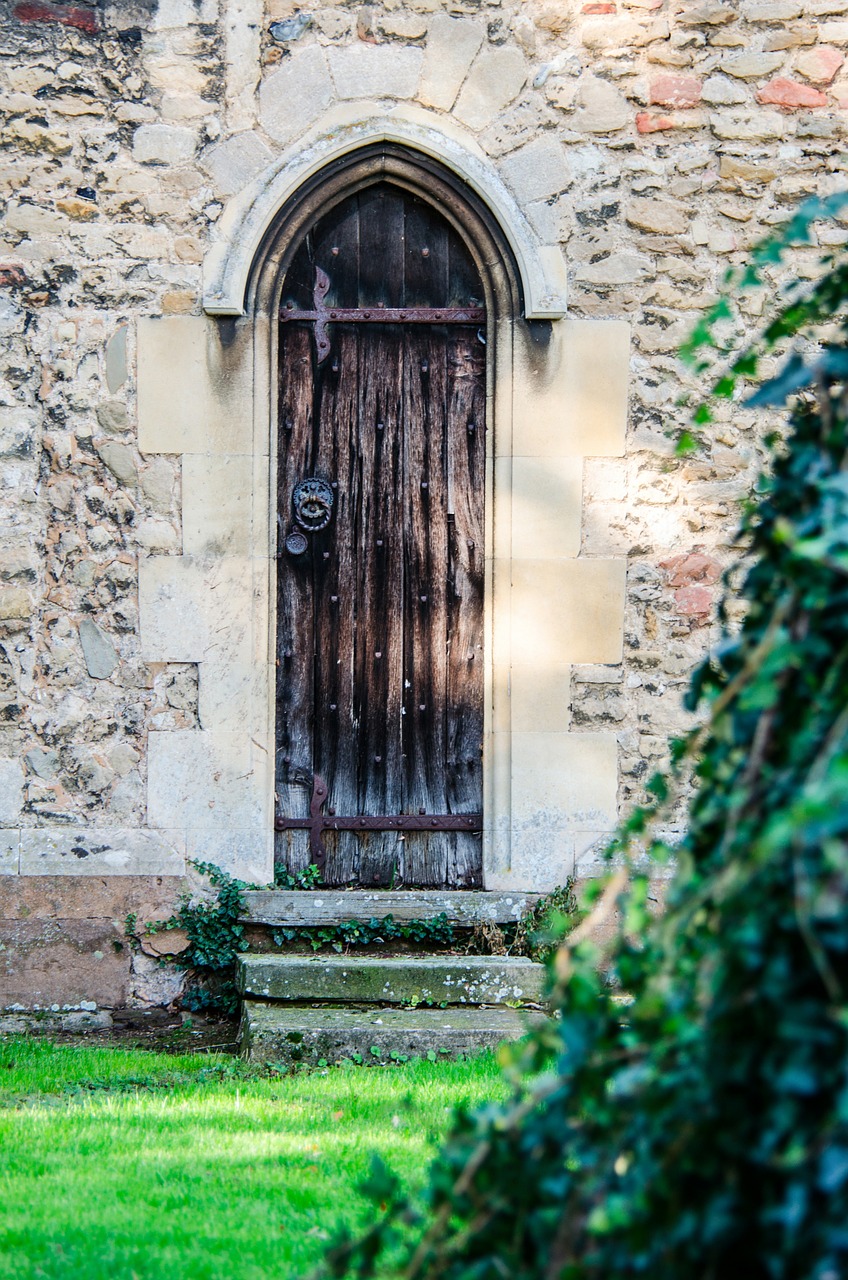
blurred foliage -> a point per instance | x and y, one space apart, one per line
697 1128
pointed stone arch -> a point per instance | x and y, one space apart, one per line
251 216
557 393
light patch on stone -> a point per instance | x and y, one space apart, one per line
772 10
537 171
112 414
11 791
15 604
17 431
43 763
164 144
153 983
783 92
120 459
452 45
293 97
234 163
718 91
600 107
748 126
497 76
659 216
98 650
116 359
627 267
376 71
751 66
821 64
10 845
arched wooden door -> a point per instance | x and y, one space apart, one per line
381 481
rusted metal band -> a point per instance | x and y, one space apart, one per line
390 315
321 315
317 823
390 822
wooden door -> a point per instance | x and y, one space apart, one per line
381 561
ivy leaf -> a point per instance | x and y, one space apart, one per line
793 377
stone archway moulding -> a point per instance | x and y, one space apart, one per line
559 396
252 213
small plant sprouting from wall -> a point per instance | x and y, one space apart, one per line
216 939
361 933
308 878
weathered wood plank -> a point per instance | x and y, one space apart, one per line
426 273
379 646
336 250
381 237
424 606
336 553
464 663
295 642
464 287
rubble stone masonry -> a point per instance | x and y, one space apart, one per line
654 141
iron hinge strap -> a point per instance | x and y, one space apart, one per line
321 315
317 822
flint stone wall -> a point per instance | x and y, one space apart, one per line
651 141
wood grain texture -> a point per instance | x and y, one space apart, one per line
466 461
338 552
295 638
382 620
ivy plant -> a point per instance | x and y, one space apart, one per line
435 931
685 1114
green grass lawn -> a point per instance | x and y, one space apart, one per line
129 1165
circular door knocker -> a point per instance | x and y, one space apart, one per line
312 502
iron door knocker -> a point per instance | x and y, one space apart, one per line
312 511
312 502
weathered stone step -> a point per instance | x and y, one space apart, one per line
272 1032
300 908
392 979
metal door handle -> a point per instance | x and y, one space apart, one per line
312 504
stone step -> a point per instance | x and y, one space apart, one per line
273 1032
301 908
436 979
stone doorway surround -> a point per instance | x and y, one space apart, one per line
560 395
